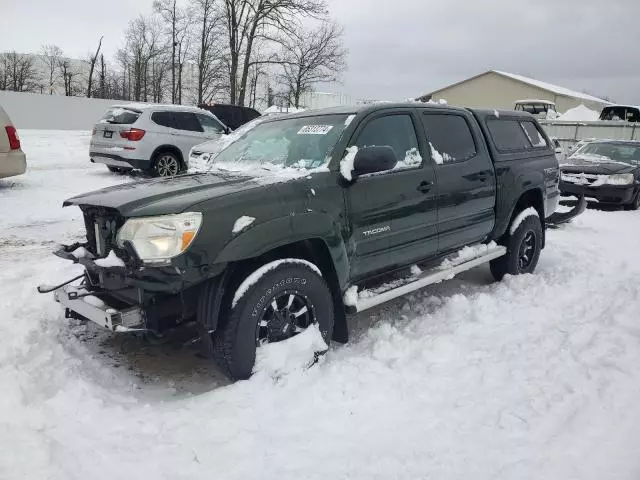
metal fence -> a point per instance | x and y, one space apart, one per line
569 133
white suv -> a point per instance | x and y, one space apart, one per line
154 138
12 158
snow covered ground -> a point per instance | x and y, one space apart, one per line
534 377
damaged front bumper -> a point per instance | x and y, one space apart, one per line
80 304
123 298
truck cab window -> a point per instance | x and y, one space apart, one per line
450 136
396 131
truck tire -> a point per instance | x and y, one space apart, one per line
286 298
523 250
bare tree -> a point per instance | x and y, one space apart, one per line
143 45
51 55
19 73
4 71
208 53
251 20
311 57
92 64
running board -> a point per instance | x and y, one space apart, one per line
429 277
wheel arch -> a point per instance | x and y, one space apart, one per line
168 148
532 197
314 250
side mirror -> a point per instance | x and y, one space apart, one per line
373 160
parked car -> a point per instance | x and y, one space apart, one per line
621 113
303 214
541 109
12 158
233 116
607 171
154 138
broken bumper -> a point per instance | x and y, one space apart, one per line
80 304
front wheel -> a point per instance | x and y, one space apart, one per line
275 303
523 250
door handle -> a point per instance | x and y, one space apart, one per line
425 187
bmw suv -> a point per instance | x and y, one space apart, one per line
153 138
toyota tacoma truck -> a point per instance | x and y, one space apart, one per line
308 218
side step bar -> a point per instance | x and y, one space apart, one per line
429 277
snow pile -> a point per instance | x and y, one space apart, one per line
412 159
242 223
521 217
111 260
346 164
293 355
438 157
81 252
468 253
263 270
579 114
276 109
350 297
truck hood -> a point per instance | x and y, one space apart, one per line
588 164
167 195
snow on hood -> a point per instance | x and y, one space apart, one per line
579 114
295 354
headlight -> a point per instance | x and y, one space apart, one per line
158 239
619 179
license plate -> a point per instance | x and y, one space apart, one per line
108 134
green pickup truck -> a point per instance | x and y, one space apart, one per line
305 218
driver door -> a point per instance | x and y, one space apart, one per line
392 215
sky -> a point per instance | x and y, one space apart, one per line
404 48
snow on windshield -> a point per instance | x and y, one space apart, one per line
300 143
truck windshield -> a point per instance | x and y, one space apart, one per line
618 152
302 143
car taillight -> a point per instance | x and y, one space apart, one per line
133 134
14 140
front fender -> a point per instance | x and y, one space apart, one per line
264 237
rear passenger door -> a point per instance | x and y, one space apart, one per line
189 132
466 184
392 214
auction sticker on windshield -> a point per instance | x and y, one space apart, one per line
315 130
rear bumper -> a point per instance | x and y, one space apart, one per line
612 194
12 163
80 304
114 160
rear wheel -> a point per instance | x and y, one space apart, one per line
166 164
288 297
523 250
